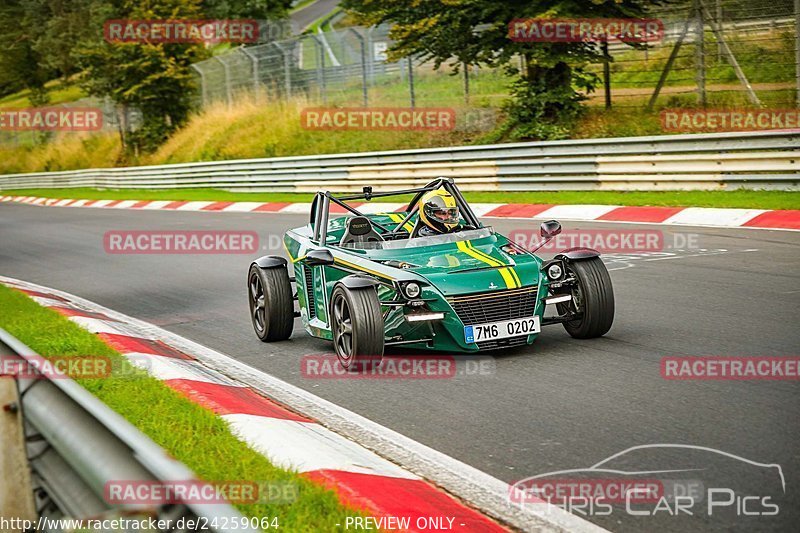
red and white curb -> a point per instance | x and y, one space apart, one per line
298 430
788 219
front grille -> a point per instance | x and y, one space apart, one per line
312 308
481 308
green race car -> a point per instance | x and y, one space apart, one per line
368 281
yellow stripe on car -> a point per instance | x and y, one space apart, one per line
506 271
360 268
508 277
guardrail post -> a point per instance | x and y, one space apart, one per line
16 493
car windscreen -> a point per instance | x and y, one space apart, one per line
432 240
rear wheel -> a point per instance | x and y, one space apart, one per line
357 327
592 297
271 303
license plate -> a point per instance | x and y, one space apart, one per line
502 330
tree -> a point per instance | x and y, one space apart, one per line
547 76
43 40
21 65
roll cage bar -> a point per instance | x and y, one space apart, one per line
320 207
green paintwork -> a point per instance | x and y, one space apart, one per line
444 269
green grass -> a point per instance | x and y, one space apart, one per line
763 61
256 129
736 199
190 433
59 94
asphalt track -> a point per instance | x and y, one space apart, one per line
306 16
558 404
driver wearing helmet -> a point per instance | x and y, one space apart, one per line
438 213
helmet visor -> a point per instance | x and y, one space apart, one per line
444 215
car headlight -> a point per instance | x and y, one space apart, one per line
411 289
555 271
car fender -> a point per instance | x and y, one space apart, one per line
577 254
271 261
355 281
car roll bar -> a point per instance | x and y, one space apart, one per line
320 207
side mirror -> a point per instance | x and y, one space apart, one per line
550 229
318 257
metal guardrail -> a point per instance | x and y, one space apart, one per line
76 444
756 160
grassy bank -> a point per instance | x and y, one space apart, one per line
190 433
734 199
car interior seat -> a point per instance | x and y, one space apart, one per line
359 230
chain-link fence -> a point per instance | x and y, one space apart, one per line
745 55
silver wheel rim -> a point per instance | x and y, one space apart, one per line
258 311
342 328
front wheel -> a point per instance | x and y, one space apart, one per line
357 327
271 303
592 297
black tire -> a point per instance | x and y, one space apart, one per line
271 303
357 327
593 297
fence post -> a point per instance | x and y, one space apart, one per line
607 72
720 37
371 55
287 70
254 59
410 61
797 47
228 94
466 84
203 87
699 53
320 68
719 25
363 66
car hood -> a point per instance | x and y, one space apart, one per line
465 267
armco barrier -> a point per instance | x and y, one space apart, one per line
75 444
754 160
